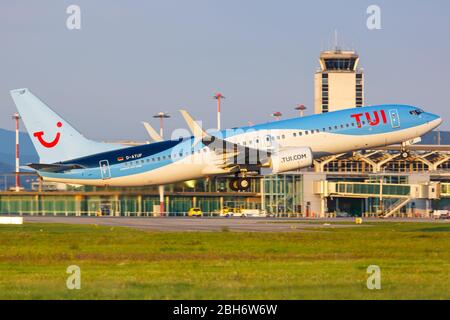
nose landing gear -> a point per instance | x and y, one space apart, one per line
404 152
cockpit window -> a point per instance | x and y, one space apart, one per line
416 112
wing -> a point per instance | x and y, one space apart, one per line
229 155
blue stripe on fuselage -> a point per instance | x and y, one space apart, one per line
128 154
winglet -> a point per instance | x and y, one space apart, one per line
197 131
152 132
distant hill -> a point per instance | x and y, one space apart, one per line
433 137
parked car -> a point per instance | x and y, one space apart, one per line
195 212
441 214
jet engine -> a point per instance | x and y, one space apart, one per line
291 159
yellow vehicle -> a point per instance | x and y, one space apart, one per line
195 212
227 212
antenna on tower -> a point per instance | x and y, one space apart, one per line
336 47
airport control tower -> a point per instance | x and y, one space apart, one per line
339 84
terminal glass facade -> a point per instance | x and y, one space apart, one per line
283 194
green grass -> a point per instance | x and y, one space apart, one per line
122 263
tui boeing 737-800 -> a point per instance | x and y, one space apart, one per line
67 156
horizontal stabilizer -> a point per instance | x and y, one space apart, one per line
53 167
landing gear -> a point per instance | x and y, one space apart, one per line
404 152
240 184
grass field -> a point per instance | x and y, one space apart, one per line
122 263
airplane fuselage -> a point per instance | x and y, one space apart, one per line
185 159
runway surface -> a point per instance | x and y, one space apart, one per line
197 224
217 223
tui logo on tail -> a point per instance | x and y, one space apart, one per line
46 144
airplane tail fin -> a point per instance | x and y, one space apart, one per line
53 138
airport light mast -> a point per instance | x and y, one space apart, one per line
16 117
218 96
277 115
301 108
161 116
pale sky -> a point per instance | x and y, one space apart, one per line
132 59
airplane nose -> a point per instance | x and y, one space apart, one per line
435 120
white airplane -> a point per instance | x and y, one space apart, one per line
67 156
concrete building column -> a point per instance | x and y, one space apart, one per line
139 206
167 202
116 205
263 196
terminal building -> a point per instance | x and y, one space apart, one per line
370 183
379 183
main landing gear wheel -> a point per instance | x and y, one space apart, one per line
244 184
234 184
405 154
240 184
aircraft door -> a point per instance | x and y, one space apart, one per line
104 169
395 119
